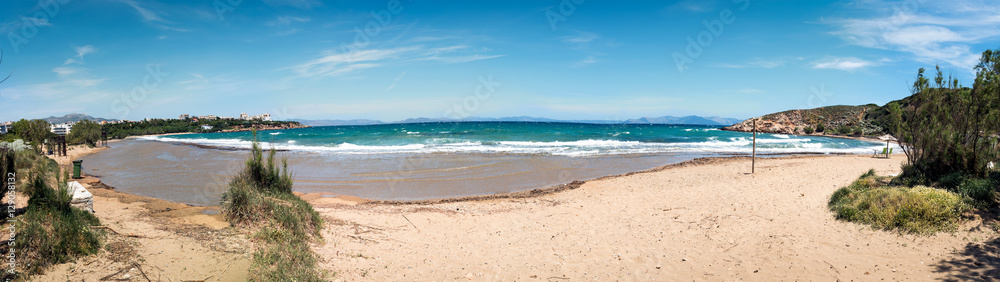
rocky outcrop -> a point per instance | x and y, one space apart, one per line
795 121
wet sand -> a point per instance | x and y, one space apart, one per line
706 220
198 176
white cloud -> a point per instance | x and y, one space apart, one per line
286 20
334 64
755 63
582 39
931 32
37 21
750 91
699 6
301 4
844 64
145 13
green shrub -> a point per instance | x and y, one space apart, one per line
858 131
51 231
981 192
952 180
916 210
820 127
260 197
844 130
808 130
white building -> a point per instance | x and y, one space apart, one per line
61 129
6 127
206 127
184 116
244 116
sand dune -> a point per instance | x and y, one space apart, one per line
709 221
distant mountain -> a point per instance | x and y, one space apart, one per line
337 122
694 120
685 120
74 117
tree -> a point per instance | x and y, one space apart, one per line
85 131
34 131
939 78
948 131
921 83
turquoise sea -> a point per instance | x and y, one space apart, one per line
562 139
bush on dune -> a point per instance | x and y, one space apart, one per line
260 197
50 231
919 209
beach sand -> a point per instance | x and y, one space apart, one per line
704 220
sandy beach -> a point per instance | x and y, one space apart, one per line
704 220
707 219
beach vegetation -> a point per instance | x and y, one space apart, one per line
84 132
35 132
260 199
49 230
949 133
922 210
858 131
808 130
166 126
820 127
844 129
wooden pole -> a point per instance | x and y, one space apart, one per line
753 159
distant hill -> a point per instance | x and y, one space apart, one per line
693 120
685 120
74 117
328 122
871 118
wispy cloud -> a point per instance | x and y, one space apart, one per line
581 40
844 64
755 63
333 63
151 17
301 4
145 13
287 20
80 52
750 91
699 6
931 32
37 21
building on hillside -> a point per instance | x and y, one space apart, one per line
265 117
184 116
244 116
206 127
61 129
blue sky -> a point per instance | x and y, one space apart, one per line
390 60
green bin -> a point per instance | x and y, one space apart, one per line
77 164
